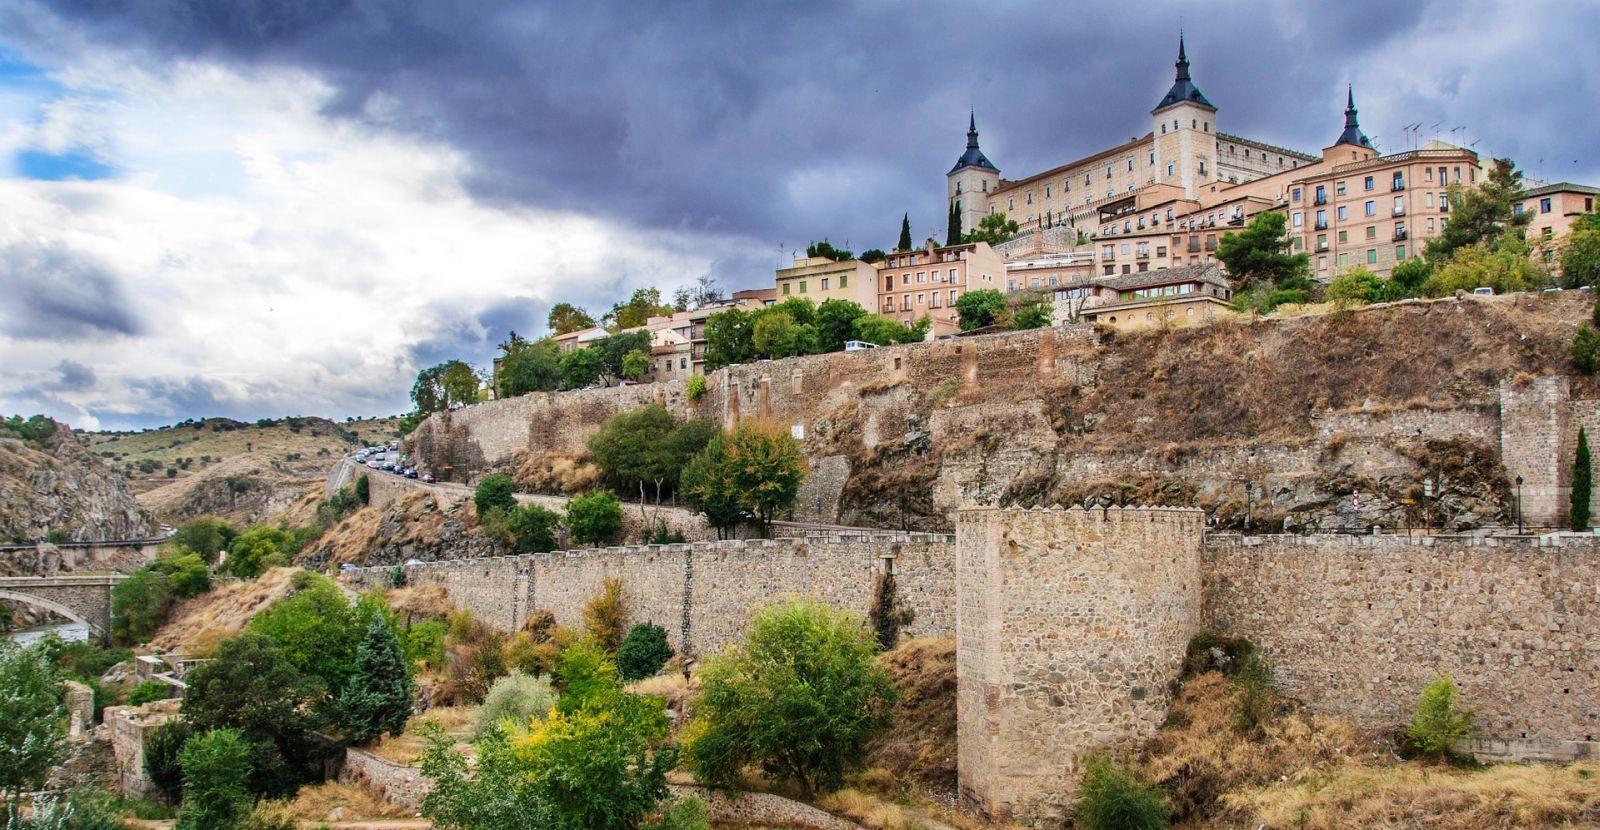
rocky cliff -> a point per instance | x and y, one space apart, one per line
51 485
1389 415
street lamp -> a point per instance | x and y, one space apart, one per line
1519 505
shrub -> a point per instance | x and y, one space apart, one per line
1585 351
1437 724
363 489
531 527
585 674
186 572
493 492
605 615
1112 799
1582 484
1257 694
683 814
148 692
139 605
594 517
216 769
271 815
661 536
882 616
79 810
397 576
644 652
253 687
517 697
162 753
32 720
696 387
205 536
800 696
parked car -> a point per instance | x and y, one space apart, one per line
411 472
1484 290
428 478
374 465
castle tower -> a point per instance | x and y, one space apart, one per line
1353 144
971 180
1185 127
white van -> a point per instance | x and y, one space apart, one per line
858 345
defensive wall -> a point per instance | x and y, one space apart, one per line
1071 625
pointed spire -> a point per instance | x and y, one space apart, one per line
972 130
1183 88
1352 127
973 157
1183 59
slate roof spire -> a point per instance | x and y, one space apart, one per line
1352 128
1183 88
973 157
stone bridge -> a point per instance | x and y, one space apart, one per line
85 599
57 559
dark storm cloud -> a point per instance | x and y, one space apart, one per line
523 315
55 293
787 122
75 376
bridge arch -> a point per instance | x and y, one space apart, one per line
50 605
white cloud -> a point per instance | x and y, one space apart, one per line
291 260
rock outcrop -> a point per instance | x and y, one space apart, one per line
52 485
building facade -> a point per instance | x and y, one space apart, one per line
819 279
927 282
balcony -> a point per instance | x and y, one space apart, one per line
1399 211
1399 234
1397 186
1322 247
1321 225
1194 246
1211 245
1444 207
1236 221
1143 255
1321 199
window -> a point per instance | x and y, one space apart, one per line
888 282
953 295
1152 158
921 299
1047 191
1086 178
1322 263
1202 167
1516 209
922 276
1322 194
683 363
1344 236
1428 200
1399 205
1372 231
1030 197
1322 242
1322 218
1372 208
824 283
1338 189
1430 224
905 302
1011 204
1372 256
1427 174
1344 213
1298 219
1161 250
1544 205
1399 181
1399 252
1344 260
935 299
1127 269
1294 195
1108 171
952 275
1368 183
802 286
1169 168
1588 205
844 281
786 288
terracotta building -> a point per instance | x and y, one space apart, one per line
927 282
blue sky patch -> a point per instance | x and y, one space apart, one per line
55 167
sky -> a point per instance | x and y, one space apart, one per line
258 208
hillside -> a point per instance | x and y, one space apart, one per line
243 472
51 486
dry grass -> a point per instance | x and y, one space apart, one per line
868 810
1507 795
919 747
199 624
337 801
408 746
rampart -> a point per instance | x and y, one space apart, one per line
701 593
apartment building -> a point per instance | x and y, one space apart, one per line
927 282
819 279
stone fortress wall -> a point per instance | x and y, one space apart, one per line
1071 624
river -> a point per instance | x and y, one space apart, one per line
69 631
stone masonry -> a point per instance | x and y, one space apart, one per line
1071 627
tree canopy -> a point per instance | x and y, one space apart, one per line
905 234
32 719
976 309
566 318
1481 215
636 310
993 228
1258 256
529 367
823 249
444 385
752 473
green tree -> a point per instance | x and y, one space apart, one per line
605 615
216 772
823 249
873 255
363 489
378 698
517 697
530 367
639 308
754 472
775 335
643 653
594 517
1580 259
993 228
800 696
581 368
1505 268
835 321
952 233
1031 315
441 386
1582 482
205 536
319 630
801 310
1112 799
33 723
616 348
163 749
256 549
708 487
532 528
976 309
566 318
186 573
585 674
730 338
1356 287
1438 723
1480 216
629 446
493 493
252 686
905 234
147 692
602 766
1258 256
880 330
696 387
635 365
1408 277
1585 351
139 606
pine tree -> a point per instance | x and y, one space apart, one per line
378 699
1581 484
905 234
953 234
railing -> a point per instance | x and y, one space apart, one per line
1320 200
1400 211
1322 247
1398 186
1321 225
1399 234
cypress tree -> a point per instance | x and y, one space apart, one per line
953 235
905 233
1581 484
378 699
